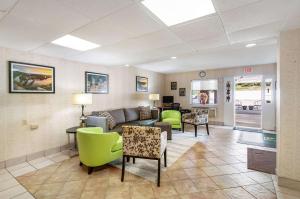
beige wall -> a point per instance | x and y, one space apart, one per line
55 112
288 115
184 81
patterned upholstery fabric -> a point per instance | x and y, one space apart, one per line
145 113
142 141
110 120
197 116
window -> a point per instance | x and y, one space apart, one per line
204 92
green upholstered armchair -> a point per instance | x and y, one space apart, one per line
173 117
97 148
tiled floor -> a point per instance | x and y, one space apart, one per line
213 168
11 188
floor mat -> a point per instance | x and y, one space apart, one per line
258 139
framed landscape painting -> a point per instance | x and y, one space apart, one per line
141 84
96 83
31 78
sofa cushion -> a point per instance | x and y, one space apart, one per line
111 123
145 122
145 112
118 146
131 114
118 115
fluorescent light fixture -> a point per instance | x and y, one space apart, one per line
173 57
173 12
76 43
250 45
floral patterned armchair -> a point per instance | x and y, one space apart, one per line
197 116
144 142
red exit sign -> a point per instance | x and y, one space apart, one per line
248 70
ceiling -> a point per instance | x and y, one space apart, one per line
130 34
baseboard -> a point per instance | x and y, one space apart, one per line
32 156
289 183
216 123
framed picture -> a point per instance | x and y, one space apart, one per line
96 83
31 78
181 91
141 84
173 85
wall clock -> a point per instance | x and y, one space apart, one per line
202 74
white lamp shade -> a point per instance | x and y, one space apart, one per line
82 98
154 97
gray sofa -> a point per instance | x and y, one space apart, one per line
126 116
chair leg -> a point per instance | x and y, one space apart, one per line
165 157
158 173
133 160
90 170
207 130
80 163
182 127
128 159
123 169
195 130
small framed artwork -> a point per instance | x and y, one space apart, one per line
31 78
96 83
181 91
141 84
173 85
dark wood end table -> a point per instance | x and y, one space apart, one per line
195 127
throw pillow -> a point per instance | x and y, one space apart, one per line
110 120
145 113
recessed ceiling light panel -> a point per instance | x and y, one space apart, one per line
173 12
250 45
76 43
173 57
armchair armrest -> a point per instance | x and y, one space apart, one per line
97 121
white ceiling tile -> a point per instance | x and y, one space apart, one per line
293 20
29 25
199 29
147 42
2 14
56 51
5 5
263 12
255 33
95 9
208 43
219 58
135 20
224 5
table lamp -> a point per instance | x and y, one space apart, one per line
82 99
154 97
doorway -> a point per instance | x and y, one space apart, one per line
248 102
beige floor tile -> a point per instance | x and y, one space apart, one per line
22 171
228 169
142 191
238 193
12 192
241 179
120 191
205 184
259 176
96 194
41 162
177 174
165 190
259 192
242 167
217 194
18 166
202 163
224 182
49 190
6 184
212 171
269 186
195 172
216 161
185 186
197 195
25 195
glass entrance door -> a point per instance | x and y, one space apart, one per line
248 102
